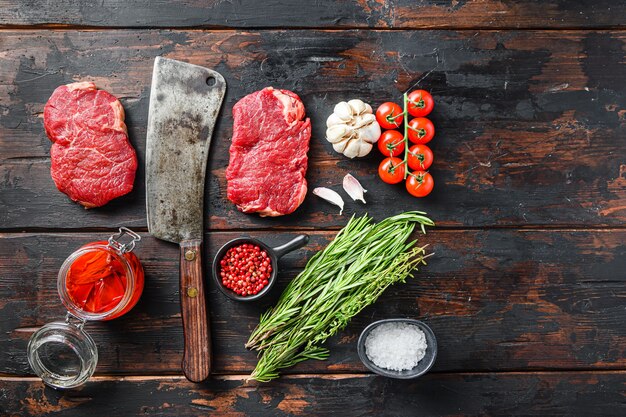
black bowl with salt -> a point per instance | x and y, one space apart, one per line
396 359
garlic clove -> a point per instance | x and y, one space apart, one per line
370 133
368 109
353 149
365 148
337 132
341 145
353 187
358 106
343 111
330 196
333 120
365 119
368 118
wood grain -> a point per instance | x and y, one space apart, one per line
321 14
528 394
530 135
496 300
197 353
530 124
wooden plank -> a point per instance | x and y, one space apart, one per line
530 124
320 14
521 394
496 299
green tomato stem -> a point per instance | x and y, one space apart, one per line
406 136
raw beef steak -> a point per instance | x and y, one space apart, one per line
268 158
92 160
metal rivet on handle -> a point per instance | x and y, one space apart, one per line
190 255
192 292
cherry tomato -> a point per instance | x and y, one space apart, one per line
420 103
389 115
419 183
391 170
420 157
391 143
421 130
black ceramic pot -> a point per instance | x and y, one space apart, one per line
274 254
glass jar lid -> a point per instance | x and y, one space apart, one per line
62 354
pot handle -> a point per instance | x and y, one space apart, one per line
295 243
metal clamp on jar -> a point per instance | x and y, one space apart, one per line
100 281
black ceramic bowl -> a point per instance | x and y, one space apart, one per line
274 253
422 366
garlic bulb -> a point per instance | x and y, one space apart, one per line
352 128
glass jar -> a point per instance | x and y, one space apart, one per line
100 293
100 281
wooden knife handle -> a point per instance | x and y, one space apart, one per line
197 354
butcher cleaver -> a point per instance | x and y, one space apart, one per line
184 103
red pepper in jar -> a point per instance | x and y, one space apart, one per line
97 280
246 269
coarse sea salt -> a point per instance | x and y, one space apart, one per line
396 346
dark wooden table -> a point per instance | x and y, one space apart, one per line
526 293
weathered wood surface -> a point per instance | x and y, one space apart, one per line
320 14
527 394
530 133
496 299
530 124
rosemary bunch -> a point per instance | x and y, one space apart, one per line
336 284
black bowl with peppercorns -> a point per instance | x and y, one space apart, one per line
245 268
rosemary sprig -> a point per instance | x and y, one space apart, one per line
336 284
